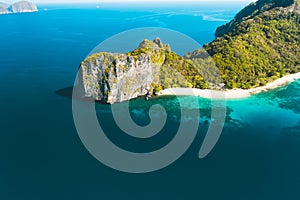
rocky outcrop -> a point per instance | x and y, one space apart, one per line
18 7
23 6
114 77
111 78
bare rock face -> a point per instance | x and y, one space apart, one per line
119 77
114 77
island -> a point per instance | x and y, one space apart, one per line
18 7
257 51
3 8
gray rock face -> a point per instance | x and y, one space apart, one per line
114 77
19 7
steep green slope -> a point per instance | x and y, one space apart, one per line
251 11
260 45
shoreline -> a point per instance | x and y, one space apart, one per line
231 94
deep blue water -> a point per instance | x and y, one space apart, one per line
42 157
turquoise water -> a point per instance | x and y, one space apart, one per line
42 157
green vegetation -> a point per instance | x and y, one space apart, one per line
156 88
174 70
258 50
252 10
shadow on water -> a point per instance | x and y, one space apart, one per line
65 92
68 93
170 103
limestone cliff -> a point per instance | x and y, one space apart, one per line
111 78
114 77
18 7
23 6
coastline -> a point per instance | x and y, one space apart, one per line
231 94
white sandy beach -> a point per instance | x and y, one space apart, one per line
231 94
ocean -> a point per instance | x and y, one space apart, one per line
42 156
